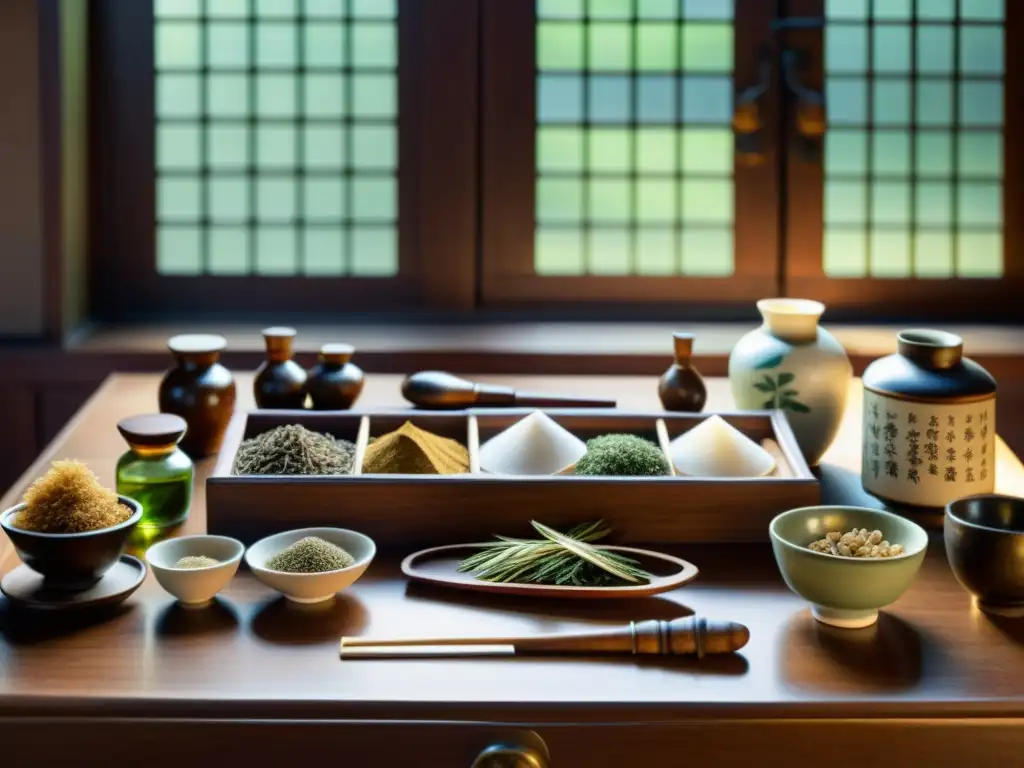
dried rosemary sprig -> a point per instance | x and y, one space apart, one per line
557 559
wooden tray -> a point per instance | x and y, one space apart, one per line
440 566
417 511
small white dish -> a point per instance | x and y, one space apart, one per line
715 448
311 587
195 586
534 445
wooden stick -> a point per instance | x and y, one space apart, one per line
689 635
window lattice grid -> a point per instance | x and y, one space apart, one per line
914 150
276 137
634 150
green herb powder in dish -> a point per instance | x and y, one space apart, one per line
196 561
310 555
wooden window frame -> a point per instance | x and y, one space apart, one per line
971 299
508 182
437 88
467 179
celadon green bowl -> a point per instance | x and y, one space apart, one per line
845 591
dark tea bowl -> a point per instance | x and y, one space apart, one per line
985 547
72 561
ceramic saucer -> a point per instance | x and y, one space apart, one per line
26 588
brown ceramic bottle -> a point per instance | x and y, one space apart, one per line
334 383
280 381
681 388
200 390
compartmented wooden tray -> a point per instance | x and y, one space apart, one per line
431 510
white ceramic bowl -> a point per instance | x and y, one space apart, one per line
195 586
311 587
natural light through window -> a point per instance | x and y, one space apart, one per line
276 137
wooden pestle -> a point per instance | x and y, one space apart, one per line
438 390
691 635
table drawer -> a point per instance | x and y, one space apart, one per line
381 744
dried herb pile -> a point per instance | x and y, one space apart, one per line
196 561
856 543
310 555
558 560
410 450
69 499
294 450
620 455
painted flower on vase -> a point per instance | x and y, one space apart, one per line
779 387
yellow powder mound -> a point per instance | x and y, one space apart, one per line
410 450
69 499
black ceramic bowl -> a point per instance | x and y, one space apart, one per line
72 560
985 547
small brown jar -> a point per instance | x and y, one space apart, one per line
335 383
681 387
200 390
280 381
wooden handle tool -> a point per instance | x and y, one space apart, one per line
691 635
438 390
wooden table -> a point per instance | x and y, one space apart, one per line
935 682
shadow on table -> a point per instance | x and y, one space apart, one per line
621 611
842 486
28 626
885 656
284 622
175 620
1010 628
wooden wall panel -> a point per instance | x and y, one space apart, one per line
22 302
57 406
20 444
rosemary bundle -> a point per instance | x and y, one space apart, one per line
561 560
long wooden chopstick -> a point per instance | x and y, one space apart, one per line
689 635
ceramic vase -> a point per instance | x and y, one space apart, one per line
929 423
280 381
334 383
200 390
793 364
681 387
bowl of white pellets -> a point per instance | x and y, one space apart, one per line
847 562
195 568
310 565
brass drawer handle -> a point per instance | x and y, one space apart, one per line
511 756
810 118
747 120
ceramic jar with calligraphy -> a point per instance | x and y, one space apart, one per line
793 364
929 423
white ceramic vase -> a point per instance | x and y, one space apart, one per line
792 364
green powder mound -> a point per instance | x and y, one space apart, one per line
196 561
294 450
622 456
310 555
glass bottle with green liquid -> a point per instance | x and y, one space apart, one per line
154 471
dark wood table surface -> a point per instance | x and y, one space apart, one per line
932 655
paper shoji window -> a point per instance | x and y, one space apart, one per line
276 137
634 145
914 148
